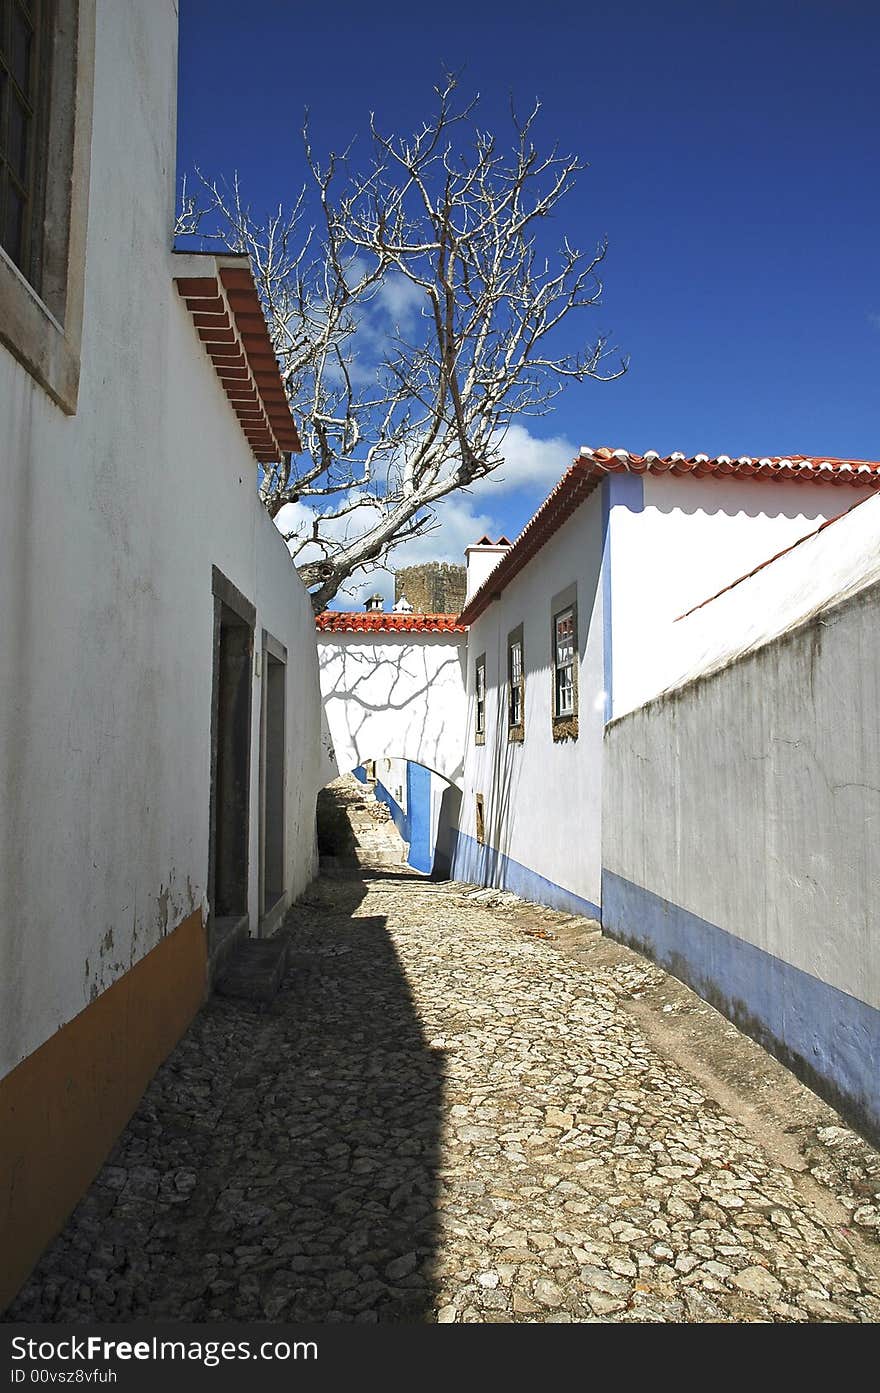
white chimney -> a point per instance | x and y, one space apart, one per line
482 558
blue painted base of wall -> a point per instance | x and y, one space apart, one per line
414 825
483 865
828 1038
418 805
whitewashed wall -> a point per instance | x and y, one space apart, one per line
396 696
683 540
642 550
110 523
741 813
391 773
827 565
542 798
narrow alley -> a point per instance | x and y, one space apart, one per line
464 1108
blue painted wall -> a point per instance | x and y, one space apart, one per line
483 865
414 824
828 1038
418 809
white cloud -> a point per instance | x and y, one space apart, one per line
529 462
399 298
461 518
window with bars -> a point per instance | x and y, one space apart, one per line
564 646
480 699
516 690
25 46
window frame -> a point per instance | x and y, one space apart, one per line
480 819
516 686
42 328
564 722
480 706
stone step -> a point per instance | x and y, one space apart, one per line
256 970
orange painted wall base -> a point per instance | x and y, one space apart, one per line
63 1107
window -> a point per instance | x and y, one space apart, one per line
480 700
47 51
481 820
564 625
25 39
516 686
565 690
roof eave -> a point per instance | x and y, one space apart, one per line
221 295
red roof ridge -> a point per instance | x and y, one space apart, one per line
592 465
377 621
813 467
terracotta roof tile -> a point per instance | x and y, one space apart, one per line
229 319
591 466
373 622
818 469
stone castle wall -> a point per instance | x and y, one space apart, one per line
438 587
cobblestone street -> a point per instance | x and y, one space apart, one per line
464 1108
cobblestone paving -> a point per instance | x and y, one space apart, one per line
443 1117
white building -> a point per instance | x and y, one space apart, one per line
673 684
741 807
159 703
393 687
570 627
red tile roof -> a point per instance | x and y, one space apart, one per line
376 621
592 465
222 298
815 469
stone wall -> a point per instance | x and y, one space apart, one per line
435 588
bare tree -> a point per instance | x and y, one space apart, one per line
397 411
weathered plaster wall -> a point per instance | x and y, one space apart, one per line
112 519
740 821
396 696
111 522
542 797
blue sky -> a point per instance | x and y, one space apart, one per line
734 154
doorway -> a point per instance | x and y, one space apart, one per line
272 784
234 619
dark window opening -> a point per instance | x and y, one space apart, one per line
25 84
